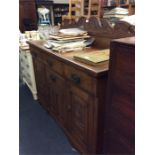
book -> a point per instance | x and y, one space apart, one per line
72 31
60 38
115 16
94 57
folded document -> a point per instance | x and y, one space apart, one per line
94 57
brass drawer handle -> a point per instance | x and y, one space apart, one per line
75 78
53 78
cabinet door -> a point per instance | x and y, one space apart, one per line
79 117
40 76
57 103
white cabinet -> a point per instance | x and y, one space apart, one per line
27 70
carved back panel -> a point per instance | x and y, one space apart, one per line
102 29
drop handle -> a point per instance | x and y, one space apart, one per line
75 78
53 78
50 63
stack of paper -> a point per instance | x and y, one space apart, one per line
67 46
68 40
73 32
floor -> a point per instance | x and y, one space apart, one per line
39 134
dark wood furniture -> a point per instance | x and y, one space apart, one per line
120 104
102 29
27 15
74 94
28 18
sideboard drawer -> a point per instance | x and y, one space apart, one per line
54 79
54 64
36 53
28 79
80 79
51 63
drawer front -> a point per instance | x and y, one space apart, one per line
27 67
23 68
79 78
54 79
51 63
22 59
36 53
26 59
28 79
54 64
28 75
25 55
22 62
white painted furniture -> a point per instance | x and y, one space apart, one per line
27 70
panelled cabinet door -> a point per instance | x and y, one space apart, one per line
56 86
79 117
40 75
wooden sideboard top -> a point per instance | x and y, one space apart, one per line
96 71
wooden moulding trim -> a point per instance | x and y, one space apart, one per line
101 27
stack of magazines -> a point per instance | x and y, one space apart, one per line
69 40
